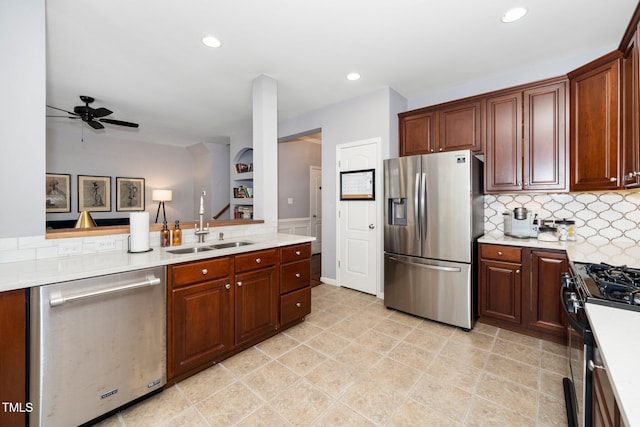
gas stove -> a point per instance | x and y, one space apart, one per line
604 284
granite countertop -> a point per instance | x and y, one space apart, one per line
26 274
617 350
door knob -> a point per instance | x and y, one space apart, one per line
371 226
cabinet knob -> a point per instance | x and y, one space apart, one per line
227 286
432 150
613 179
298 275
258 260
517 271
440 149
526 184
204 271
239 284
298 305
499 253
298 252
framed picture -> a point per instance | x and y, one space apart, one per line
94 193
58 192
129 194
358 185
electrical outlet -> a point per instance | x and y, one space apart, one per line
105 245
70 248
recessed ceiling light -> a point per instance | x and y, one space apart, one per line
353 76
211 41
513 15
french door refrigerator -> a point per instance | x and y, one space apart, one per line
433 208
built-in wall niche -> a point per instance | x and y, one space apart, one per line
242 184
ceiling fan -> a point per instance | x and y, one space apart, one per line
92 116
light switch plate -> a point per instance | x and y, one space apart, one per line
70 248
290 201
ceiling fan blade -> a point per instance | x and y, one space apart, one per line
60 109
68 117
95 124
119 123
100 112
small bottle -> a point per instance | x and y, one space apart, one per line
165 235
177 234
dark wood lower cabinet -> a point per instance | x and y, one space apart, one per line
13 358
606 412
218 307
519 289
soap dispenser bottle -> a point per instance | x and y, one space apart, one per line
165 235
177 234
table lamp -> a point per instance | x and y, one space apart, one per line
161 196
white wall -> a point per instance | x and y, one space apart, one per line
162 167
365 117
210 173
22 117
294 160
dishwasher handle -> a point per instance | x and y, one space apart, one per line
59 300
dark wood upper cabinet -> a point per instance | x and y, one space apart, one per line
595 125
445 127
631 115
526 144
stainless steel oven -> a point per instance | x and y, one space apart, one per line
589 283
578 387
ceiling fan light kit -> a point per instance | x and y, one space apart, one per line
92 116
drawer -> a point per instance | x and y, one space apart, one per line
295 275
295 305
258 259
295 252
501 253
198 271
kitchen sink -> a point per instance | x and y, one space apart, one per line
190 250
230 245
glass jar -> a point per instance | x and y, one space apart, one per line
547 233
566 229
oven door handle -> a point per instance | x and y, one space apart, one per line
574 324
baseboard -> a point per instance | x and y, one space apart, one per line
328 281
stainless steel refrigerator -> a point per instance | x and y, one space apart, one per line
433 208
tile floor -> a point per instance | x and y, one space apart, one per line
355 363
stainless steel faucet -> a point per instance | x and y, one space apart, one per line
201 231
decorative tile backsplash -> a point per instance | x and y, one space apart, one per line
613 215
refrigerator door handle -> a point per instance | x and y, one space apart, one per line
423 207
429 267
416 206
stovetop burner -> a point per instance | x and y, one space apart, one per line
615 283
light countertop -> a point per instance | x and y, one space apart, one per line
581 250
619 349
26 274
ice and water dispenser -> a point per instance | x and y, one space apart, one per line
397 211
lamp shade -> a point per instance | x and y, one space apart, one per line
161 195
85 220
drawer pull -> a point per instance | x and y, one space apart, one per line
258 260
204 271
298 275
298 305
298 253
499 253
518 271
227 286
239 284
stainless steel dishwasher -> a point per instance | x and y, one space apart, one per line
96 344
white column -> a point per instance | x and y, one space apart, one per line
265 149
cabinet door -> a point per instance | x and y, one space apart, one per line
200 324
256 304
545 309
503 168
631 116
500 291
460 126
595 132
13 356
417 133
545 138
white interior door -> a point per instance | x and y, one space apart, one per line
358 240
315 208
